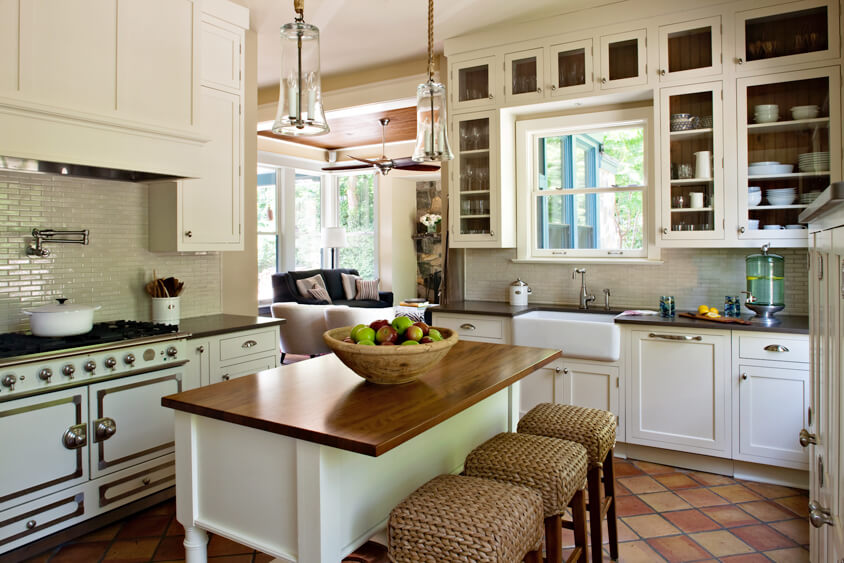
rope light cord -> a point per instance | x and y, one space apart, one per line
431 40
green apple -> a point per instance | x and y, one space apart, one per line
401 324
355 330
365 333
435 335
366 343
408 342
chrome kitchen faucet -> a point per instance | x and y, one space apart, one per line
585 297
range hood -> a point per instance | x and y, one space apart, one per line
79 170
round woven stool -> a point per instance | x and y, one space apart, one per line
456 518
595 430
554 468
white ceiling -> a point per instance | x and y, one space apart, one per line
358 34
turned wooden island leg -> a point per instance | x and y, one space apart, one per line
196 542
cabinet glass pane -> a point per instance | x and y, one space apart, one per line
788 127
571 68
692 187
474 171
473 83
792 33
690 49
624 59
474 135
524 75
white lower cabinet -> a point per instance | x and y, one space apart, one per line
479 328
678 397
234 354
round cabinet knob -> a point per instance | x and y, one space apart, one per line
661 72
9 381
45 374
172 351
744 377
105 428
742 230
146 481
110 362
566 370
491 97
603 80
200 349
807 438
90 366
665 230
189 234
553 87
69 370
558 369
539 90
31 524
740 61
129 359
225 377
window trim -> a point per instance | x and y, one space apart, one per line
527 132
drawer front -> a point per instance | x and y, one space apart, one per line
242 344
774 347
487 328
246 368
137 482
45 516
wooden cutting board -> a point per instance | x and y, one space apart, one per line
716 319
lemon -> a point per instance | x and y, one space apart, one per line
714 310
713 314
702 310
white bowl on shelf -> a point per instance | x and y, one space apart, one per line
772 228
754 199
764 168
753 224
804 112
780 200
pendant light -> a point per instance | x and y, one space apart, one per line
431 123
299 98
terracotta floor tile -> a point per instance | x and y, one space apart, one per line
42 558
624 532
631 506
762 537
797 504
86 551
637 552
797 530
625 469
651 525
642 484
167 508
729 515
748 558
691 521
653 468
790 555
129 551
677 549
106 533
170 548
701 497
144 527
218 545
735 493
664 502
245 558
175 529
711 479
771 491
766 511
677 481
721 543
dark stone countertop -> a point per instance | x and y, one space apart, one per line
795 324
209 325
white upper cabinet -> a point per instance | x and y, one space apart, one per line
570 68
624 59
221 50
475 84
523 76
9 18
796 32
690 49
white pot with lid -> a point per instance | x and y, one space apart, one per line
519 292
61 319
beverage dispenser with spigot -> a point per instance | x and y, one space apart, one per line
765 285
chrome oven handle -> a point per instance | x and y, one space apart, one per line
675 336
104 429
75 437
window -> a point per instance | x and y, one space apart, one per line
356 212
268 241
308 234
583 184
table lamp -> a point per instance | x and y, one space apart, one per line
334 238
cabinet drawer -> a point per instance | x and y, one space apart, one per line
475 327
47 515
243 344
774 347
239 370
138 482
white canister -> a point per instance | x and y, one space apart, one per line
165 310
703 168
696 199
519 292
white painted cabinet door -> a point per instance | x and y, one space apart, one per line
677 395
9 48
592 385
199 352
545 385
772 410
221 53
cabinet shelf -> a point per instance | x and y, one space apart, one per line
690 209
794 125
475 216
690 181
764 207
691 134
474 151
473 192
788 176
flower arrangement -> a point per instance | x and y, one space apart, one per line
430 220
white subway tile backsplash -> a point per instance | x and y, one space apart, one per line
111 271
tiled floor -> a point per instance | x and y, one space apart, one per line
665 515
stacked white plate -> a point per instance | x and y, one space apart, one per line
813 162
769 167
781 196
809 197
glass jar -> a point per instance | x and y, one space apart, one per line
766 278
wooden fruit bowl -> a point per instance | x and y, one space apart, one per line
389 364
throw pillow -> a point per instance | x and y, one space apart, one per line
304 285
367 289
319 292
349 285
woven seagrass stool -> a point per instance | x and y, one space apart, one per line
595 430
554 468
453 518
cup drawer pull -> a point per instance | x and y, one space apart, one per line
776 348
675 336
467 326
249 344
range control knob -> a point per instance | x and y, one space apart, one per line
129 359
110 362
68 370
9 381
45 374
172 351
90 366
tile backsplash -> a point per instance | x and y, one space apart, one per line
110 271
692 276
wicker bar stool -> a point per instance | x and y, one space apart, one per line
554 468
454 518
595 430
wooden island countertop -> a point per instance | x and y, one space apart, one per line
322 401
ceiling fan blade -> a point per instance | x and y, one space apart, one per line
407 163
369 162
347 167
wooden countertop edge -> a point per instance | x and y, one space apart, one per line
365 448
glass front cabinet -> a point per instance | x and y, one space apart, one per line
787 151
692 172
523 75
570 68
690 49
624 59
476 84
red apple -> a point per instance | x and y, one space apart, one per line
388 344
375 325
426 340
423 326
349 339
386 334
413 332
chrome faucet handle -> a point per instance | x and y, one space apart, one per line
606 299
578 271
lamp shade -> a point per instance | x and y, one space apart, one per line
334 237
431 138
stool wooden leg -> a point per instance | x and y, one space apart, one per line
534 556
578 512
609 493
554 539
593 483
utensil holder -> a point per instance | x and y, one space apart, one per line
165 310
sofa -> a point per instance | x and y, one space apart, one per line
285 290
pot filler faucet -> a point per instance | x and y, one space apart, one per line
585 297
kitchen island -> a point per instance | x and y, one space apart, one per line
305 462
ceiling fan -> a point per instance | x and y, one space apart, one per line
384 164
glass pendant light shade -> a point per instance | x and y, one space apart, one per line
300 109
431 124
